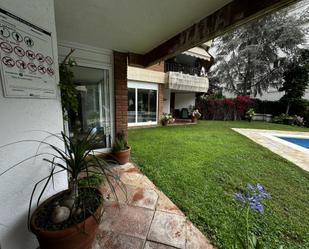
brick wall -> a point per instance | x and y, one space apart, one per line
121 92
157 67
160 101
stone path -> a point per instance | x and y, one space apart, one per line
144 218
289 151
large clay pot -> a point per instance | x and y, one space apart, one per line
122 156
164 122
80 236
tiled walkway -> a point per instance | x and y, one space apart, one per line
270 140
145 218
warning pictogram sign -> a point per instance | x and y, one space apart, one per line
21 64
17 37
4 32
50 71
19 51
40 57
8 61
30 54
6 47
49 60
41 69
32 67
29 42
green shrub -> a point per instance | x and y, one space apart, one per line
289 120
94 180
120 142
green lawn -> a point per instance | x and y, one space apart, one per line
201 166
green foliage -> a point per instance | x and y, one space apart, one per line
95 180
67 87
296 79
200 168
247 59
120 143
166 117
250 114
289 120
283 119
76 158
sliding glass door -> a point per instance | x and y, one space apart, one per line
94 105
142 103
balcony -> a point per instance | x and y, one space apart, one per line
185 78
177 67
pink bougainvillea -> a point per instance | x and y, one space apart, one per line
224 109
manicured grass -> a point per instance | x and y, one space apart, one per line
200 167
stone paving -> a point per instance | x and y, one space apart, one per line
144 217
269 139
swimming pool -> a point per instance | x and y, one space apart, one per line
304 142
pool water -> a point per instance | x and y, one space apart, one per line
304 142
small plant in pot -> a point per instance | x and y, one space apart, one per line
166 118
195 115
70 218
121 149
250 114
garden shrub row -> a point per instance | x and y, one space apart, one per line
235 108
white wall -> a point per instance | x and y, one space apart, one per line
17 118
184 100
167 101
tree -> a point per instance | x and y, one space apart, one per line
295 79
252 58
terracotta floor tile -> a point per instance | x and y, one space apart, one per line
154 245
128 220
142 197
146 183
166 205
132 178
110 240
169 229
195 239
131 195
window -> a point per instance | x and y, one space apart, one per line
94 104
142 103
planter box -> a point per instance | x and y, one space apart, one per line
262 117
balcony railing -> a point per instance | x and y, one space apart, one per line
186 82
176 67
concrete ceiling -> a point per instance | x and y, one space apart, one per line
128 25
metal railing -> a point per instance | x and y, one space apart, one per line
176 67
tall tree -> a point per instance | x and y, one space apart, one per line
254 57
296 79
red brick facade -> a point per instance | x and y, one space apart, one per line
121 92
160 102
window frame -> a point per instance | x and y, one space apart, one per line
111 99
144 86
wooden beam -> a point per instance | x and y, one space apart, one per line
225 19
136 60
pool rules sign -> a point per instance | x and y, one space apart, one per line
26 59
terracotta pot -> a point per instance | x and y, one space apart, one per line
194 120
80 236
122 156
164 122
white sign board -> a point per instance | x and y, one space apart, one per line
26 59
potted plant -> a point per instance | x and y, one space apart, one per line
250 114
166 118
70 218
195 115
121 150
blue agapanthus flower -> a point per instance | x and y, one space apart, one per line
254 196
